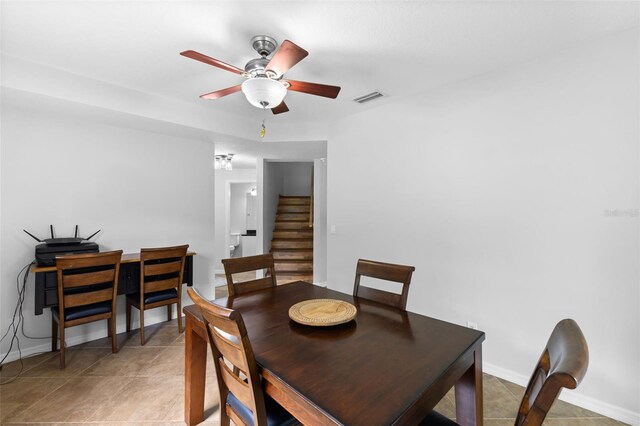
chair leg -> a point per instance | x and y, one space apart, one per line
112 332
62 361
128 316
141 325
224 417
180 329
169 312
54 334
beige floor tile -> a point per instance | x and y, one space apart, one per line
211 404
170 362
42 424
446 408
560 409
499 403
75 401
104 342
161 334
19 395
221 291
592 421
129 361
77 359
143 399
499 422
11 369
179 340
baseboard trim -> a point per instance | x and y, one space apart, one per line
77 340
573 397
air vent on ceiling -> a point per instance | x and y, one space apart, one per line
368 97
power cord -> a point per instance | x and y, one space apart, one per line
17 323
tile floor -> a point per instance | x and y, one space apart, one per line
145 385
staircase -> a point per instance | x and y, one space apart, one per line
292 242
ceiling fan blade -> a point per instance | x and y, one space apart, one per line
280 108
211 61
287 55
220 93
314 88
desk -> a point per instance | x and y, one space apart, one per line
387 367
46 291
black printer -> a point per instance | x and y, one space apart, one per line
51 247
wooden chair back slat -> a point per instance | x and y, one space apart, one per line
88 298
230 322
563 364
384 271
159 285
247 264
162 268
89 278
163 252
380 296
238 387
89 260
254 285
229 350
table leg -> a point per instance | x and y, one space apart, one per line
195 358
469 394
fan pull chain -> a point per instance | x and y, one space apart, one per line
263 130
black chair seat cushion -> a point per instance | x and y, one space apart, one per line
276 415
157 296
78 312
436 419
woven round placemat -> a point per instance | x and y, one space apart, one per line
322 312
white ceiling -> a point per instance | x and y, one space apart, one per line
395 47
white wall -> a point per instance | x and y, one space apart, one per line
319 221
141 189
221 219
297 178
498 194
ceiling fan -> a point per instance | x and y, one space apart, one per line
264 86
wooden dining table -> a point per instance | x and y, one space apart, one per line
387 366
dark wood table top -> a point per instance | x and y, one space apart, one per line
369 371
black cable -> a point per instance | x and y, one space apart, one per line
23 293
17 322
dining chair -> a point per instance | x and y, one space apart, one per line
563 364
238 265
161 272
384 271
245 402
87 291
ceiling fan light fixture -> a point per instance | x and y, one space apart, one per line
263 92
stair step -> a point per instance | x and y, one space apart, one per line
293 234
293 208
288 266
292 254
292 225
298 243
301 217
293 200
